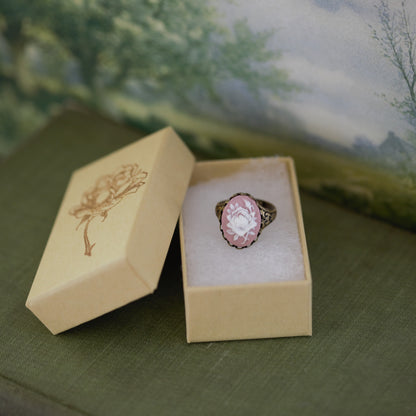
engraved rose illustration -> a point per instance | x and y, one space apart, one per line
241 220
108 191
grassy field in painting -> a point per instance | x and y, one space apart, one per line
340 178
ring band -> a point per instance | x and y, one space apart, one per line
243 217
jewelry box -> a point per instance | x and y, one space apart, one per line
115 224
260 291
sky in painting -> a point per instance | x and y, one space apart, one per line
327 47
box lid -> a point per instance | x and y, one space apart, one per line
112 232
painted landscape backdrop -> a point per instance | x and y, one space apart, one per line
330 82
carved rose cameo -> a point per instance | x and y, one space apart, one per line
240 221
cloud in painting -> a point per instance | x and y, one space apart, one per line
327 47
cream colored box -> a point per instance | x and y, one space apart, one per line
111 235
262 291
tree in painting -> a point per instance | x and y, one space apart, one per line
93 51
397 40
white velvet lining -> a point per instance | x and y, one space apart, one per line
275 256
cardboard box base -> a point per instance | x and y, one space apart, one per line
219 312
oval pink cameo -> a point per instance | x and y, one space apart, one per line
240 221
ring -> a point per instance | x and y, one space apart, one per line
242 218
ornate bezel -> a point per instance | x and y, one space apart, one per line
266 217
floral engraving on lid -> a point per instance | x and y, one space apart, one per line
108 191
241 221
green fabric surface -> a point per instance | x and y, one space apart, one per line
359 361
